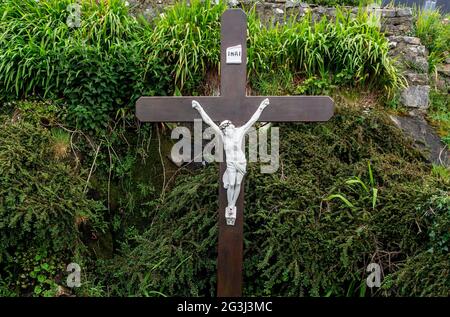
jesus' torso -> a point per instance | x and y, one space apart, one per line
232 143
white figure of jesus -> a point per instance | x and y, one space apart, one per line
232 138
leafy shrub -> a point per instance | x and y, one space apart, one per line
427 273
42 206
95 69
99 83
296 242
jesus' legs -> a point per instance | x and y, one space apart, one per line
230 181
237 188
230 192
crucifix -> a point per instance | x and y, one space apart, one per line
233 108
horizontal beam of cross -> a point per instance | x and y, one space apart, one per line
281 109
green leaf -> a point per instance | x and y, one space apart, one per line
37 290
45 266
372 182
342 198
41 278
374 197
357 180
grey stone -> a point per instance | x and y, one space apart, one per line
395 38
304 5
411 40
416 96
320 10
414 78
290 4
233 3
399 20
417 50
331 12
278 11
401 12
444 70
392 45
388 13
425 138
420 63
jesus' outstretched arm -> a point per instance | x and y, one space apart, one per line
256 115
205 116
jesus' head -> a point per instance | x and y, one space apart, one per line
226 126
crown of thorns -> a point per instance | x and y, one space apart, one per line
224 125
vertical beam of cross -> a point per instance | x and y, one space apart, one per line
233 83
233 77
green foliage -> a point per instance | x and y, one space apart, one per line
344 52
427 273
439 113
314 86
341 2
188 38
98 82
38 272
98 69
438 208
434 34
94 69
296 244
42 205
368 189
393 102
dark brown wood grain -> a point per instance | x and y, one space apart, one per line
281 109
232 85
230 248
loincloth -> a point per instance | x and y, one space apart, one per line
236 167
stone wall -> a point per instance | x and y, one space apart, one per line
394 21
443 72
412 58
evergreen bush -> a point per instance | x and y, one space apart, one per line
298 243
43 207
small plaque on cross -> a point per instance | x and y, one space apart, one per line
234 54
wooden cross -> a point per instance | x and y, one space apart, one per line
234 105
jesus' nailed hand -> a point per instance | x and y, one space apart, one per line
232 138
